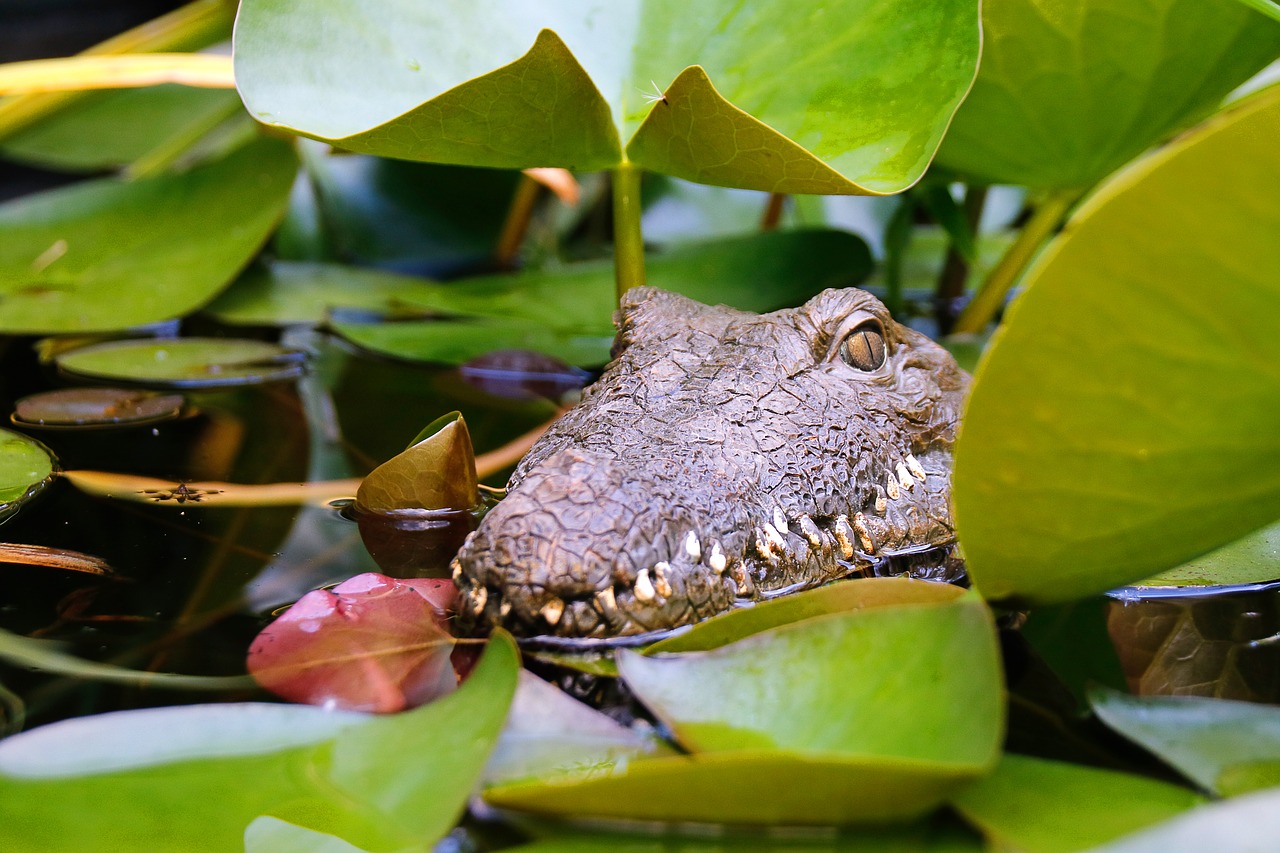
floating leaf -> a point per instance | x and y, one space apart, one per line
1069 90
1083 461
844 98
523 375
926 673
1225 747
184 362
919 837
109 254
26 467
116 781
1251 559
567 312
96 407
437 472
372 643
1037 806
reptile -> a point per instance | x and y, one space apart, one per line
724 457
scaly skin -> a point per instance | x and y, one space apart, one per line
722 457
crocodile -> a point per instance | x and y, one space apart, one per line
724 457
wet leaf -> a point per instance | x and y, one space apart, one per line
96 407
523 375
1251 559
926 673
26 467
184 362
437 472
1037 806
850 97
115 781
1083 462
1069 91
855 596
108 254
1245 825
567 312
114 128
1225 747
372 643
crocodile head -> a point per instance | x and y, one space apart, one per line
722 457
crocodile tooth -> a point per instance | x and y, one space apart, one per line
504 609
881 503
776 542
780 520
644 587
914 466
842 532
606 603
457 572
552 611
864 535
692 546
746 586
904 477
479 599
716 559
660 583
810 531
891 486
763 546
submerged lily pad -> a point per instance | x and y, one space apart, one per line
116 781
185 362
1037 806
26 467
1124 420
1225 747
846 97
96 407
109 254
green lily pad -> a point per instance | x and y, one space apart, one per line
108 254
26 467
438 471
1251 559
184 362
1037 806
1123 419
918 837
1266 7
850 97
112 128
1225 747
1071 90
926 673
115 781
567 312
1247 824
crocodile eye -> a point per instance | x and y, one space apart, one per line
864 347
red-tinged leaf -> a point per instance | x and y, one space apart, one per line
372 643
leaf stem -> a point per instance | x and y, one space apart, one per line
955 269
516 226
978 313
628 242
772 212
190 27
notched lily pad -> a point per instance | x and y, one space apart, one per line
70 407
185 362
26 467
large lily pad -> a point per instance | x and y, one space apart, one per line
26 467
1038 806
185 362
109 254
116 781
1224 747
1071 90
846 97
1124 419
